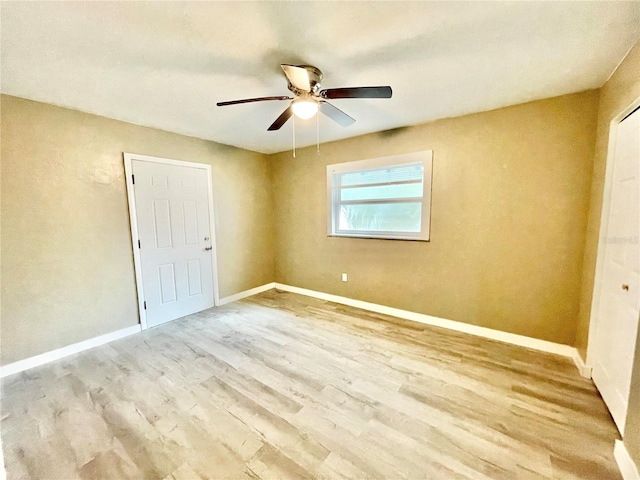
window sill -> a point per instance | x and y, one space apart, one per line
373 237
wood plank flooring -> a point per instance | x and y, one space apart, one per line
284 386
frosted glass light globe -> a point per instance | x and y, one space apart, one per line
304 108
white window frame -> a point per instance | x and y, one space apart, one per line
424 157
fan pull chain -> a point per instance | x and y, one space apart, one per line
318 133
294 136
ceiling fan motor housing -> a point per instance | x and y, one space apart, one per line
315 77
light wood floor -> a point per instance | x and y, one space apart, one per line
285 386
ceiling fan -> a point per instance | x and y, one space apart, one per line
308 99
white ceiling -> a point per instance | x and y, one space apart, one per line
166 64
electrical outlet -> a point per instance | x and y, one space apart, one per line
344 277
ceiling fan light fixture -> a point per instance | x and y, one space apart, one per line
304 82
304 109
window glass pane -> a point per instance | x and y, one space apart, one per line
409 171
404 190
381 217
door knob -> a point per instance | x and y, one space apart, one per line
625 287
208 248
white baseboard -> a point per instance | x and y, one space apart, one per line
521 340
247 293
59 353
584 369
625 463
3 472
512 338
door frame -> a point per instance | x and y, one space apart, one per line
604 225
137 262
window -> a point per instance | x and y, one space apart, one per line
387 197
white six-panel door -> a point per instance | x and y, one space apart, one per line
172 219
620 287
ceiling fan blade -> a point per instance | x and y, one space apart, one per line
281 120
297 76
357 92
335 114
249 100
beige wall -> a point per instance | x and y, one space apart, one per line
509 211
618 93
67 263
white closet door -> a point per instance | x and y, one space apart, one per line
620 295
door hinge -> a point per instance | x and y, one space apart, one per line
133 179
145 304
139 244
